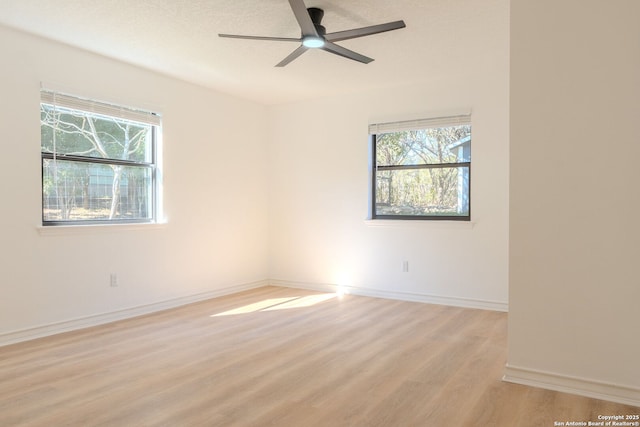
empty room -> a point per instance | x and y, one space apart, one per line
319 213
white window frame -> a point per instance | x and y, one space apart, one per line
98 108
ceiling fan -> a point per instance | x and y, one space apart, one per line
315 36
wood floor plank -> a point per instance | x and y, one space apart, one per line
281 357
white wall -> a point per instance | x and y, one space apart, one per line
575 145
295 210
319 182
214 191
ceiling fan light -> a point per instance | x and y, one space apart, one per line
313 42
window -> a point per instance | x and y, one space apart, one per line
421 169
99 162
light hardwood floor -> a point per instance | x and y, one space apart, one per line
282 357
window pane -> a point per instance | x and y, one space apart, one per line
83 191
80 133
428 146
420 192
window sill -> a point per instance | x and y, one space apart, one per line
71 230
420 223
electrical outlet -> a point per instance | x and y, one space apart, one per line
405 266
113 280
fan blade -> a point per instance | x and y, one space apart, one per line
277 39
339 50
365 31
293 55
303 18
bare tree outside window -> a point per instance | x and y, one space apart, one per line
95 168
422 173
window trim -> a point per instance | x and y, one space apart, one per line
97 229
435 122
98 108
74 102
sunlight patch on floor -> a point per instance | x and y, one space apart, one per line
272 304
307 301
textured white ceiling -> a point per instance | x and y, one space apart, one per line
179 38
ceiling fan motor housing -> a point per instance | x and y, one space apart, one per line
316 16
314 35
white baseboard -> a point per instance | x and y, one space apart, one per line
567 384
403 296
100 319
